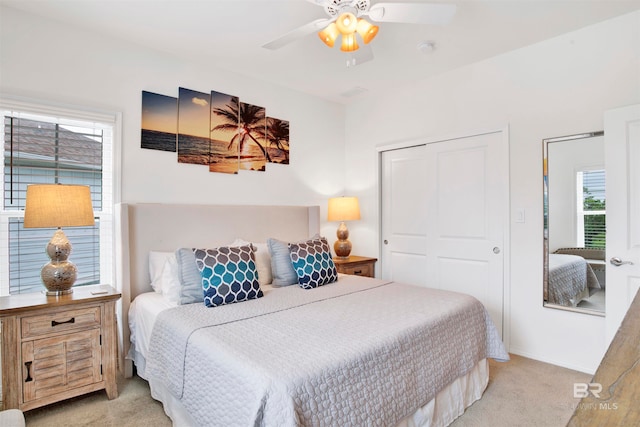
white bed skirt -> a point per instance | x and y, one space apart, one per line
451 401
441 411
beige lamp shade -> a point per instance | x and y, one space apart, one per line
58 205
343 209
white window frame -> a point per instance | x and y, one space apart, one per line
110 179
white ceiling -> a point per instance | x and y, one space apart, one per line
229 34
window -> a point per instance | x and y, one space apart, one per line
53 145
591 209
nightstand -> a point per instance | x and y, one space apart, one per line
57 347
356 265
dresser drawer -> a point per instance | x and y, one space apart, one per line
358 270
62 321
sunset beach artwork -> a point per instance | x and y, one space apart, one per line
193 126
224 152
278 140
251 138
159 122
215 130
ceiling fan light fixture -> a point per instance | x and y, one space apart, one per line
347 23
349 43
330 34
366 30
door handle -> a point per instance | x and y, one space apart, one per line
29 377
618 262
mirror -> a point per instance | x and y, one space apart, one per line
574 223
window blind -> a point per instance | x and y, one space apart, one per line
49 149
594 208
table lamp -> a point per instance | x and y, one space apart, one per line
58 205
343 209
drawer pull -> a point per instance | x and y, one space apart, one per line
28 366
357 272
54 323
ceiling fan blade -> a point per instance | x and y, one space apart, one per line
413 13
360 56
298 33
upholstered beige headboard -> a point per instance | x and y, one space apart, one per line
143 227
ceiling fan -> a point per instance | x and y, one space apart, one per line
347 18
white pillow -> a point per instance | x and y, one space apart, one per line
263 260
170 279
157 260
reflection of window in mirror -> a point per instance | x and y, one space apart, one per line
591 230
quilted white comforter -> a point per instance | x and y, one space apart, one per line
569 277
357 352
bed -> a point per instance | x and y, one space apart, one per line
357 351
571 279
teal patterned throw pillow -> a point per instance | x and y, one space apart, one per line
313 263
228 275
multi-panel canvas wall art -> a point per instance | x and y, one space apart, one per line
214 129
159 122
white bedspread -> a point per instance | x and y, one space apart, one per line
357 352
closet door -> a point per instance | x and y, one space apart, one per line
404 215
444 213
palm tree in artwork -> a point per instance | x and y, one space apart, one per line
277 133
245 120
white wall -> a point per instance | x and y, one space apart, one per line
557 87
41 59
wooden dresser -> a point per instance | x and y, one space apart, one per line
356 265
57 347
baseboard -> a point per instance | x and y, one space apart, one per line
561 363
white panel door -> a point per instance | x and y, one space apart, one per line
404 215
444 208
467 198
622 163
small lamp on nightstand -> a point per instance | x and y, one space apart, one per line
57 205
343 209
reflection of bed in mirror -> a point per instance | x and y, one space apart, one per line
572 275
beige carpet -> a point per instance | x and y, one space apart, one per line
522 392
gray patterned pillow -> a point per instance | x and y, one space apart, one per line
313 263
228 274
